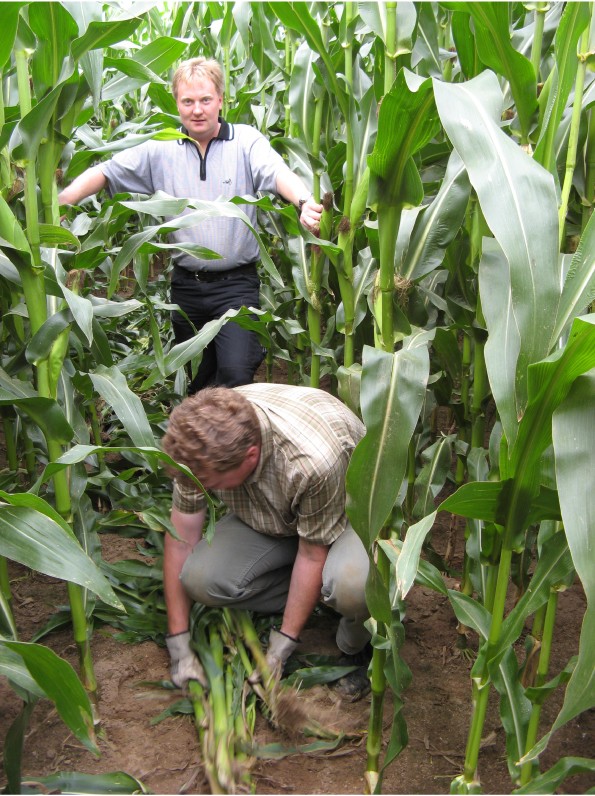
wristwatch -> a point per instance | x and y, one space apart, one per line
302 202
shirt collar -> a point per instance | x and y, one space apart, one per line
225 132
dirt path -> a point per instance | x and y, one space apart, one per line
165 756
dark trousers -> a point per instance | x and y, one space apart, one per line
235 353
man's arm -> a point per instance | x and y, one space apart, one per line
86 184
189 528
292 189
304 593
305 586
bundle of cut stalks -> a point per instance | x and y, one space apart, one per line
225 712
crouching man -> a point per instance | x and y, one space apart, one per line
277 456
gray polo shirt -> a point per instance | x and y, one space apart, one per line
239 162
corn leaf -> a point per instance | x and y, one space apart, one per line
553 568
437 224
45 412
427 574
515 708
76 782
579 286
575 18
249 318
518 200
38 541
428 483
163 205
41 343
11 232
79 453
9 18
13 747
392 393
58 680
111 384
82 312
364 128
296 16
104 308
486 500
503 345
574 437
183 352
99 34
408 560
377 595
133 69
302 83
39 504
470 613
13 668
158 56
425 57
464 41
277 751
407 120
375 16
538 694
492 36
32 128
548 384
550 781
574 441
310 676
55 29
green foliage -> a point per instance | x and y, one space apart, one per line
447 138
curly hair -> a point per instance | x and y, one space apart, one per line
199 68
212 430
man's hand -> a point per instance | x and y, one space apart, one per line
310 214
184 663
280 648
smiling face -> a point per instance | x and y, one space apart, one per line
199 106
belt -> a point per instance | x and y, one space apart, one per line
216 276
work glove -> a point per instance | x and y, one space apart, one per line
280 648
184 663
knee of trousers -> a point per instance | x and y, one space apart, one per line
345 591
236 376
205 584
235 373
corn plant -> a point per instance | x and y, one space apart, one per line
452 145
520 267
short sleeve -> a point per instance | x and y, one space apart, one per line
265 165
130 171
188 499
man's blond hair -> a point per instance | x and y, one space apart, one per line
212 431
199 69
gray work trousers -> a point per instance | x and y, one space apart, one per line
246 569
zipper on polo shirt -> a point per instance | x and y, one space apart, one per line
203 161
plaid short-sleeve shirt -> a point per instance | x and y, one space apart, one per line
298 486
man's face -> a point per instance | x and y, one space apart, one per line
231 479
199 106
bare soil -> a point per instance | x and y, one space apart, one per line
166 756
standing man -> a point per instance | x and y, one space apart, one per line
217 160
277 456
